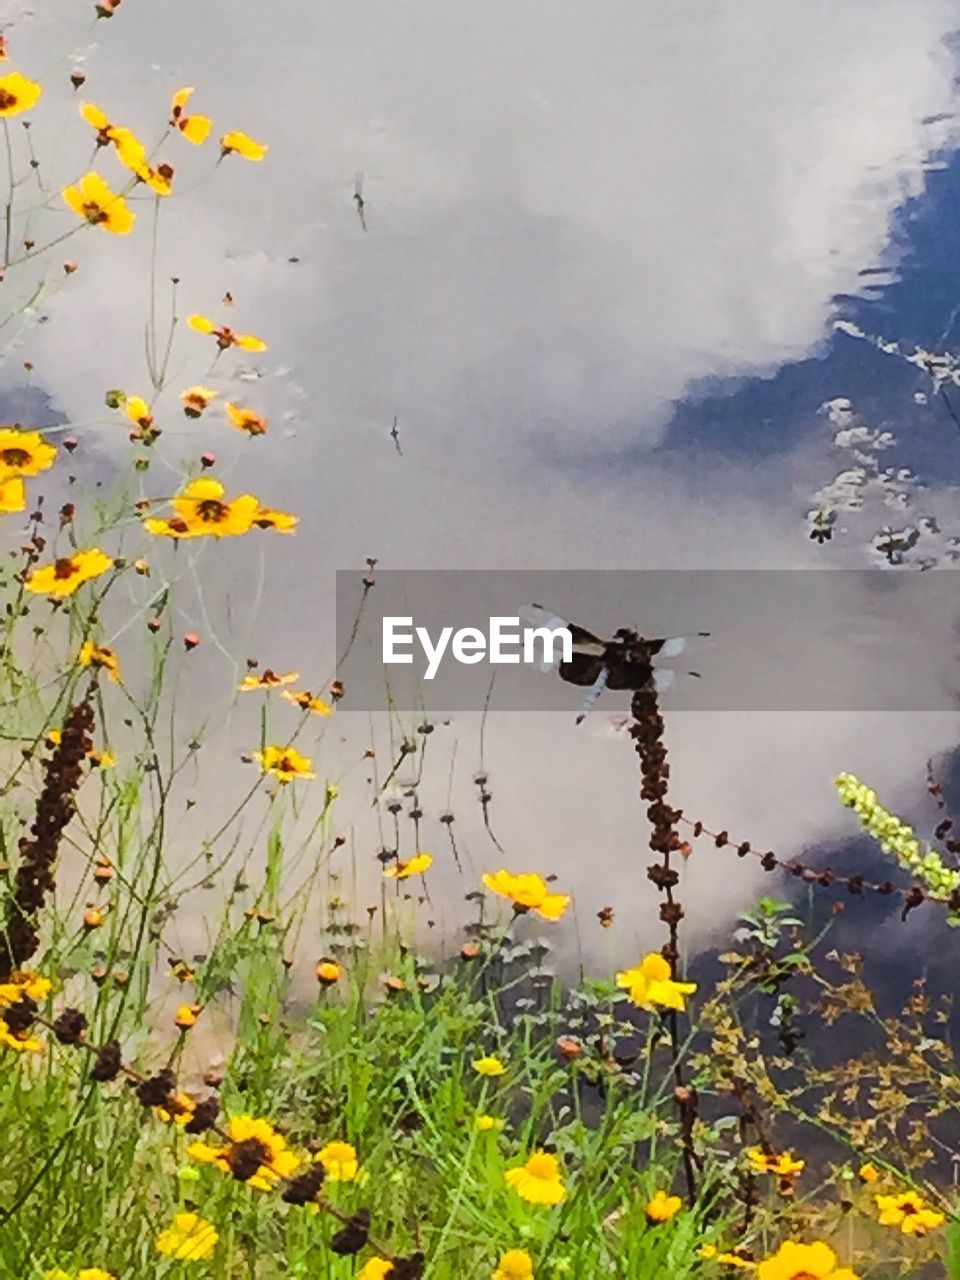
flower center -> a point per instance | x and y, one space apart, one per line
245 1158
7 100
93 213
212 511
15 457
64 569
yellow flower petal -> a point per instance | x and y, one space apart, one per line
339 1160
93 200
488 1066
515 1264
17 94
416 866
13 495
285 763
249 342
189 1239
196 129
243 146
94 116
64 576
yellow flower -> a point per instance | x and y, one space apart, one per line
488 1066
306 701
515 1264
179 1111
908 1212
651 984
138 411
868 1173
711 1253
285 763
13 495
540 1180
180 970
159 179
24 453
282 521
661 1207
783 1166
242 145
328 972
189 1239
187 1015
339 1160
415 866
246 420
485 1124
202 510
17 93
226 337
65 575
375 1269
268 680
85 1273
195 129
99 656
250 1140
528 892
19 1041
195 399
94 200
23 984
130 149
804 1262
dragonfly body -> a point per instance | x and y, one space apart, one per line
627 661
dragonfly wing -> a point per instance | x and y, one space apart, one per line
593 696
583 641
673 646
663 679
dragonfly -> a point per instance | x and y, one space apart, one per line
628 660
359 200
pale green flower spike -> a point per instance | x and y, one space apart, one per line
896 838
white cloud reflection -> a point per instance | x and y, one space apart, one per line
574 215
